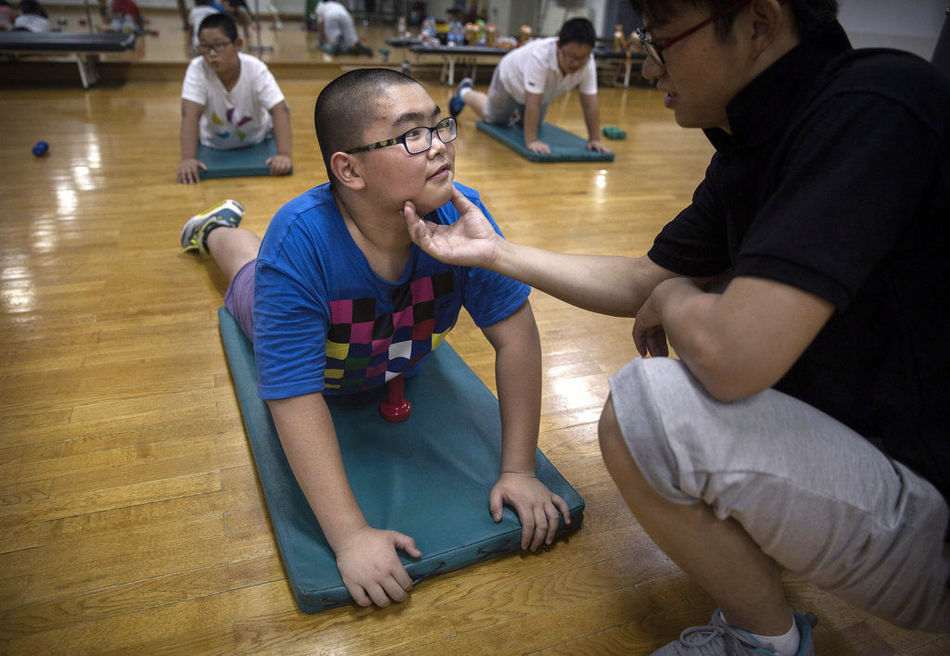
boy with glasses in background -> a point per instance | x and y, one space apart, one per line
337 300
230 100
803 427
529 77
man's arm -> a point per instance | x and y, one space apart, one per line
188 168
591 108
518 376
281 163
737 343
532 123
606 284
366 557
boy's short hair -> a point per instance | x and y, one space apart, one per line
221 22
809 14
577 30
32 8
347 106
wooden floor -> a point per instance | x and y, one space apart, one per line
131 520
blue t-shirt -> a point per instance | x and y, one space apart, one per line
324 321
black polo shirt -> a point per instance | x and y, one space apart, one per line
836 181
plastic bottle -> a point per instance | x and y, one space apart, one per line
618 38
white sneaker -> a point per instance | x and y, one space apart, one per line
227 214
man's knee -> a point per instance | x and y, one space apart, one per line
608 431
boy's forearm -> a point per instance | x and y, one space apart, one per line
532 120
282 132
189 141
518 378
591 110
306 433
189 131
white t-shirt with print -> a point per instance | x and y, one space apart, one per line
533 68
239 117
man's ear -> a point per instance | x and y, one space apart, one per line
766 20
347 170
239 44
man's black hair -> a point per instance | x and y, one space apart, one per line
809 14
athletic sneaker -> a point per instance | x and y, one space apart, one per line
456 104
722 639
227 213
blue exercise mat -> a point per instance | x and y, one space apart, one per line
428 477
239 162
565 146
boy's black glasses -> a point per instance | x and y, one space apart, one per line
205 48
654 47
417 140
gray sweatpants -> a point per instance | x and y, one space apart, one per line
818 498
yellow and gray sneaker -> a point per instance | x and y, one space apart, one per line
226 214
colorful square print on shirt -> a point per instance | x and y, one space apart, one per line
371 341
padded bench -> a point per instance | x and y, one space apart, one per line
83 46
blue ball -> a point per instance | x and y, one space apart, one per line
41 148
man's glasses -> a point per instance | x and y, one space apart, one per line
205 48
573 59
417 140
655 47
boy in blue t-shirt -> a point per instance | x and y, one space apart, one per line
337 299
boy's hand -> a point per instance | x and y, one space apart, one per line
598 146
279 164
188 170
470 241
536 505
371 570
538 147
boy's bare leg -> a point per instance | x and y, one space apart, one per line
718 555
232 248
476 100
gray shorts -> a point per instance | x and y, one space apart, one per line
239 298
501 108
817 497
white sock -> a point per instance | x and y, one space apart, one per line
464 93
783 645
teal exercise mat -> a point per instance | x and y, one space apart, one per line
239 162
428 477
565 146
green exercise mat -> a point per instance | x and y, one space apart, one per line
428 477
239 162
565 146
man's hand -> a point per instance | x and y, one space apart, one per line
598 146
279 164
539 147
188 170
371 570
470 241
648 334
537 507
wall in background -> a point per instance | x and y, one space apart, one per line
912 25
